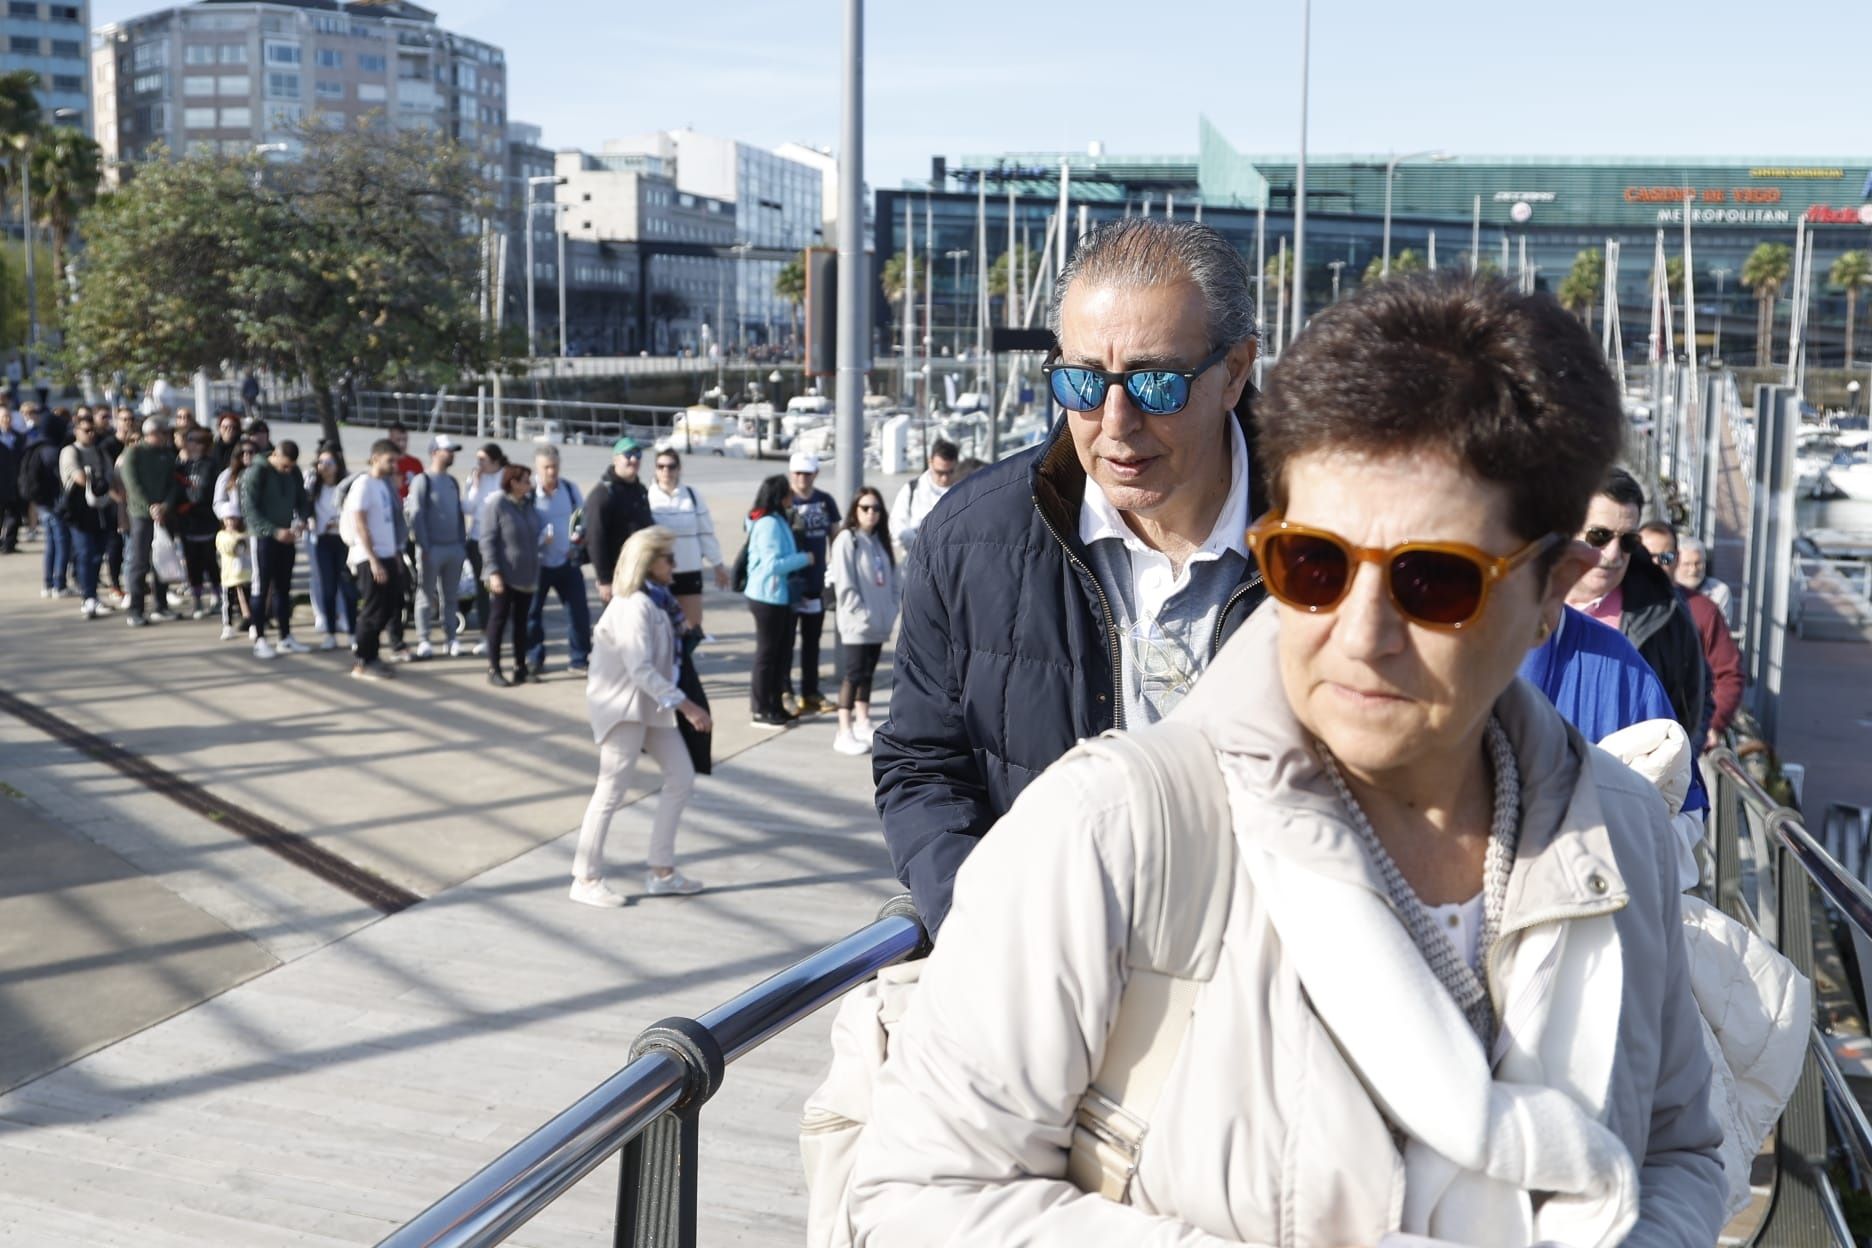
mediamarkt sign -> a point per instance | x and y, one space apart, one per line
1820 214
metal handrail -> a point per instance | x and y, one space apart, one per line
676 1065
1852 898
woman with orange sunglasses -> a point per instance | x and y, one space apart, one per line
1363 940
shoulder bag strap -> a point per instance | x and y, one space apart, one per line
1186 873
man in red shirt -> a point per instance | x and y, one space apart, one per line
1719 648
408 467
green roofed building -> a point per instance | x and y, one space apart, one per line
1500 207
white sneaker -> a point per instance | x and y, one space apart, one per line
90 609
424 650
594 893
160 617
263 649
292 645
229 632
846 743
480 650
865 731
330 642
47 593
454 650
675 884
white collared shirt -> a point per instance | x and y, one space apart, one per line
1154 582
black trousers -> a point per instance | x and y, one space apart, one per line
860 666
507 612
811 628
272 593
377 606
773 647
11 516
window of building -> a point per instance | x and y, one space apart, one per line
146 84
466 78
283 86
233 54
198 54
372 92
284 116
233 84
23 8
329 89
67 83
370 62
193 85
23 45
330 58
198 119
65 13
67 49
150 56
236 118
279 53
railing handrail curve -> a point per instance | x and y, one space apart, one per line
510 1190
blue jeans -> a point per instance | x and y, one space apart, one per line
569 583
88 554
335 584
58 547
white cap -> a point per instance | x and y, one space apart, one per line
442 442
803 461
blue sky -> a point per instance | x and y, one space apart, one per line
1618 77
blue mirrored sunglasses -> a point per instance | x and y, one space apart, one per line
1156 391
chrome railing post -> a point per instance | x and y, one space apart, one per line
657 1184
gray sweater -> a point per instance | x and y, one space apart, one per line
868 588
435 512
510 542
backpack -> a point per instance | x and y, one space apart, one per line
39 475
1181 822
738 574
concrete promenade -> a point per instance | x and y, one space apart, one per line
207 1045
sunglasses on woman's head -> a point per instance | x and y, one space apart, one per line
1440 585
1155 391
1597 537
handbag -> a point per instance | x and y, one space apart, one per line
700 744
1180 820
166 558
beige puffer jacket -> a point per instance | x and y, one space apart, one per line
1266 1133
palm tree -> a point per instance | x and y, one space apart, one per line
19 122
1584 285
66 169
1406 261
895 280
790 285
1851 271
1765 272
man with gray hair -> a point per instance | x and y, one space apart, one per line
1692 573
1085 584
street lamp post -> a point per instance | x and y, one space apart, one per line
545 179
1390 172
1335 266
956 258
1722 279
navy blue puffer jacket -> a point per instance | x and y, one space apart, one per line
1006 659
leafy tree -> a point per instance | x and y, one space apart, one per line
895 280
790 286
353 260
1584 285
1026 264
367 268
1406 261
19 122
1765 272
160 259
66 171
1674 276
1851 272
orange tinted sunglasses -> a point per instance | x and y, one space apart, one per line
1440 585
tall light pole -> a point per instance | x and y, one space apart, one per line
559 234
25 145
854 337
1300 206
1335 266
956 257
545 179
1390 172
1722 281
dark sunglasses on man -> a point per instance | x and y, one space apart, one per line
1155 391
1597 537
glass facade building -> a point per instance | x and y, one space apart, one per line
1553 208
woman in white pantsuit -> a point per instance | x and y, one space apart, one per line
632 696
